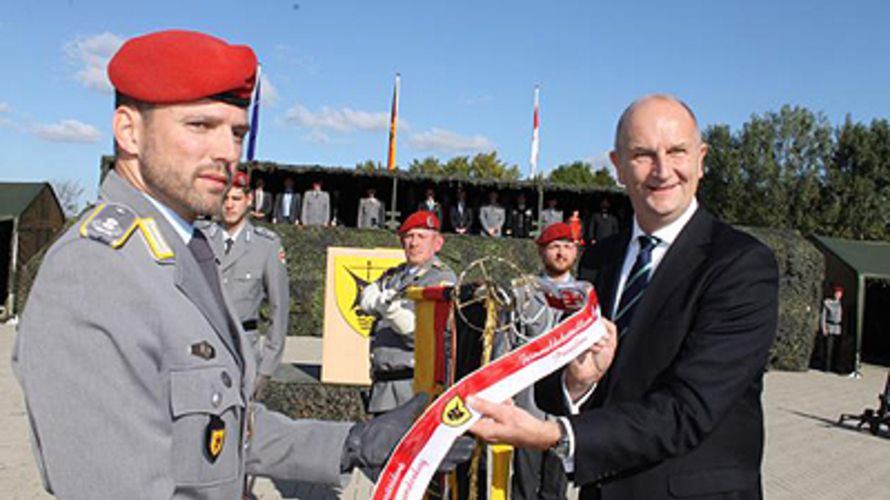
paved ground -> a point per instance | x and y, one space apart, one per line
808 457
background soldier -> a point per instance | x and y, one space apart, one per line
831 324
261 209
461 215
287 205
129 356
392 345
551 214
370 211
492 217
601 225
316 206
519 223
251 260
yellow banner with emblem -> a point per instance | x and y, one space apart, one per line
345 343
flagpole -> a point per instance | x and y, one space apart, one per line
533 160
254 117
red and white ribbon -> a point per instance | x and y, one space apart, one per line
417 456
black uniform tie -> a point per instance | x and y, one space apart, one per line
229 242
636 283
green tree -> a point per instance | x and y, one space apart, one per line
428 165
580 173
459 166
369 166
489 167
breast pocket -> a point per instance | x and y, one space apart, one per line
206 407
248 284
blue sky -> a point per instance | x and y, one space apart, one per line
468 72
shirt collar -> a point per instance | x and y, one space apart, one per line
669 233
235 234
183 228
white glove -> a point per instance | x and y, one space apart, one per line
401 314
375 300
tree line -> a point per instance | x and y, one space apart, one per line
786 169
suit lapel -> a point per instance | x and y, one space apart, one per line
610 274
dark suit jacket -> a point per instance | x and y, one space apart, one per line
265 207
458 222
678 413
295 207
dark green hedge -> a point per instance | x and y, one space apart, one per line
801 268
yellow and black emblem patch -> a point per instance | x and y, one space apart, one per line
455 413
214 437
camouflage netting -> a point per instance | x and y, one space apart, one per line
801 268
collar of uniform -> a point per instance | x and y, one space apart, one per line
234 236
566 278
184 229
669 233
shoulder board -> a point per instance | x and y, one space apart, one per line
157 245
265 233
109 223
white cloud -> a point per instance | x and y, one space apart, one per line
437 139
269 93
67 131
5 107
343 120
600 161
91 55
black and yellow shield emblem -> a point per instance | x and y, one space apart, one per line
214 437
351 275
455 413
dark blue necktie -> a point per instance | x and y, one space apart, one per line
636 283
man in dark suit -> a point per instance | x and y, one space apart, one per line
262 202
461 215
695 303
287 205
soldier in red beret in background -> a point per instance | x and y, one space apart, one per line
135 368
392 345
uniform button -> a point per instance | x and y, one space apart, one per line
216 399
226 379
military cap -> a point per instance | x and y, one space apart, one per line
421 219
240 179
175 66
553 232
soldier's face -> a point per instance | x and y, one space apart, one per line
558 256
235 206
659 161
187 153
421 245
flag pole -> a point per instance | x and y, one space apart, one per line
254 117
533 160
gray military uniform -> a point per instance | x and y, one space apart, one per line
252 271
492 218
392 345
550 216
128 362
316 208
370 213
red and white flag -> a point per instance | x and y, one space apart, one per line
393 118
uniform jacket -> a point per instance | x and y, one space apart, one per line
264 205
678 414
125 358
254 271
600 226
492 218
294 214
392 345
370 213
316 208
519 224
832 317
550 216
461 219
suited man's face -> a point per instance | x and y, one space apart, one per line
659 161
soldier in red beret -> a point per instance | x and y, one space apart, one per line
392 347
137 373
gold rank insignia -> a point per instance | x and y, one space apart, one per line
158 246
214 437
455 413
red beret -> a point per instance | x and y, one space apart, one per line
176 66
240 179
421 219
553 232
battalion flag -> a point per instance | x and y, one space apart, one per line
533 161
393 118
254 118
